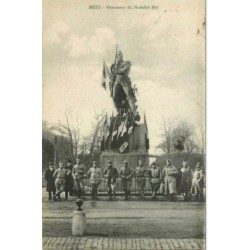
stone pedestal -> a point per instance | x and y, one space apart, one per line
79 223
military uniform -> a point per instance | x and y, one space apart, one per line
126 175
155 180
141 178
197 184
69 182
60 180
169 174
186 178
111 174
50 187
79 171
95 179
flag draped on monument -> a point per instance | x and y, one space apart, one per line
105 75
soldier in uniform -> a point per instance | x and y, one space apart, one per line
69 184
169 174
78 173
111 174
197 183
140 172
60 176
50 188
155 179
94 174
121 81
186 178
126 175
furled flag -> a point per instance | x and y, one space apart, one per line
105 75
124 129
114 131
106 129
120 128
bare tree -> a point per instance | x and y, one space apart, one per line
92 143
97 125
167 130
200 135
69 131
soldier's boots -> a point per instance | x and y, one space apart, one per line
172 197
142 195
129 197
114 196
59 197
50 196
126 195
66 195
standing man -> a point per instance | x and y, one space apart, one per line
111 174
60 176
50 188
140 172
94 174
186 179
69 181
78 173
198 182
169 174
126 174
155 179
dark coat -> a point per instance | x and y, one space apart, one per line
69 180
50 180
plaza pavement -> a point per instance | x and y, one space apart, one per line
125 225
91 243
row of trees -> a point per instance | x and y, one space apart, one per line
69 141
173 131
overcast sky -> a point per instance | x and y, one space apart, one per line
167 56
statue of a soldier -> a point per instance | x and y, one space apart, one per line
121 89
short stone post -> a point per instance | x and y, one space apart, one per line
79 220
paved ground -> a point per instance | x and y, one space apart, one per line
125 224
121 243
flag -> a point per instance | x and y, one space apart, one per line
145 123
124 129
120 128
106 132
105 75
130 130
113 134
113 127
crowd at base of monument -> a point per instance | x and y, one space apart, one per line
169 181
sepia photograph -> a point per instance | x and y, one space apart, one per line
123 124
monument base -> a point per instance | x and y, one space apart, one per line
117 159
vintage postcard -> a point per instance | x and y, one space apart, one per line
123 135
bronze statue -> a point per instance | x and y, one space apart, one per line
120 86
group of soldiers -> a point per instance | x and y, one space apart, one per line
169 180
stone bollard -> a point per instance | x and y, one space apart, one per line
79 220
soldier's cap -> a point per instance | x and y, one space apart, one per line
153 163
94 162
109 162
69 161
51 163
125 163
